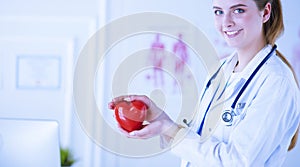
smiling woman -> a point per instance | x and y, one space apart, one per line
241 25
261 107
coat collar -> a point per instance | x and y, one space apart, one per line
251 66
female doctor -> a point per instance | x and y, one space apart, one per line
261 97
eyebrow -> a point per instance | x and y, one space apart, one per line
234 6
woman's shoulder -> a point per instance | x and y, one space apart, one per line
277 68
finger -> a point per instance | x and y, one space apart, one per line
121 98
142 98
111 105
116 100
155 111
127 134
148 131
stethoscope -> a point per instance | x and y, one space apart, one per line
228 115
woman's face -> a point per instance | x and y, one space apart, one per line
239 21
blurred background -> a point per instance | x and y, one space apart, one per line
40 42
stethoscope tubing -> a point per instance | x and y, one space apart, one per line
228 115
252 76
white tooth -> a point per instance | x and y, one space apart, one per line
231 32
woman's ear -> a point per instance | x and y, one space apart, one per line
267 12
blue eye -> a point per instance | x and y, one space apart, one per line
218 12
239 11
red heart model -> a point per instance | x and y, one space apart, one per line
131 115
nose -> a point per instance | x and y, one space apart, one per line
228 20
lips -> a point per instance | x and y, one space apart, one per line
232 33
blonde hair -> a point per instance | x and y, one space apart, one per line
273 28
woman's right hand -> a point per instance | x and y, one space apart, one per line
159 122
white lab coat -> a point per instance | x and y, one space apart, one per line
261 135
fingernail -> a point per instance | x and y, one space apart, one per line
132 134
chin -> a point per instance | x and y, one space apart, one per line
234 43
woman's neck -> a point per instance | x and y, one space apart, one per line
246 54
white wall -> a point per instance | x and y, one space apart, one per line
43 29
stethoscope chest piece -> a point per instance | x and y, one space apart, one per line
227 117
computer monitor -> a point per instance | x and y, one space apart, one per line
29 143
